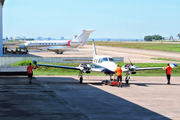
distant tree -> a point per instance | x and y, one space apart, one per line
153 37
178 36
148 38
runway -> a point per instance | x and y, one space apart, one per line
135 55
63 97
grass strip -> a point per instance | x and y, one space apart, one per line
137 45
165 59
42 70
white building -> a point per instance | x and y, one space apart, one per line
1 27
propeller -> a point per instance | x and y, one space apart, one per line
130 61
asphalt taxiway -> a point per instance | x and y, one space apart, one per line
63 97
136 55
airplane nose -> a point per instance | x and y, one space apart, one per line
22 46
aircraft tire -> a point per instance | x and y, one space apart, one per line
81 79
127 81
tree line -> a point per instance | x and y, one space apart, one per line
156 37
153 37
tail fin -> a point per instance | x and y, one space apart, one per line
84 35
94 48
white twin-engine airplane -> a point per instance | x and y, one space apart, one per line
103 64
59 46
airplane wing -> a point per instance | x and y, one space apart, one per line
68 67
152 68
57 66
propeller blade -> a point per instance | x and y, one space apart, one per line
130 61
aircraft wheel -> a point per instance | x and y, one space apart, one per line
127 81
61 52
81 79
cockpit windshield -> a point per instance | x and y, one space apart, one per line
104 59
111 59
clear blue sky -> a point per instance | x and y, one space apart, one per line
112 18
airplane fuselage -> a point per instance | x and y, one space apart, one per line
106 64
44 44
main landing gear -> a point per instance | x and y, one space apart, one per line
110 82
59 52
127 77
80 77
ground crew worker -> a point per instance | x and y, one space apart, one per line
26 49
119 75
168 73
30 72
16 49
6 50
3 50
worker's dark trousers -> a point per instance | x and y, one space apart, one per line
168 77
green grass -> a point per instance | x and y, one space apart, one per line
42 70
150 46
166 59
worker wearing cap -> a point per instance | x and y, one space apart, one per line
119 75
168 73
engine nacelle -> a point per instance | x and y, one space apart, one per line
85 67
73 43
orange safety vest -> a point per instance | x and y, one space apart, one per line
30 69
119 71
168 70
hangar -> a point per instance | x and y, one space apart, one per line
1 27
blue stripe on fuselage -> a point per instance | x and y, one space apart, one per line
105 70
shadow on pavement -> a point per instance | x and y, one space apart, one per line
96 103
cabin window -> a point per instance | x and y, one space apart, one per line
51 43
104 59
100 61
94 60
97 60
54 43
111 59
42 43
48 43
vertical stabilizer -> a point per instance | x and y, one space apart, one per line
94 48
84 35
